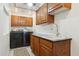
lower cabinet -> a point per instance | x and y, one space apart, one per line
44 47
45 51
62 48
35 45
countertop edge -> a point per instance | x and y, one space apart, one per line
51 40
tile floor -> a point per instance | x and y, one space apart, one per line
22 51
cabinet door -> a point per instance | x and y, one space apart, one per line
14 20
29 21
62 48
32 43
20 21
67 5
24 21
41 15
45 51
50 18
35 45
56 6
44 13
38 17
45 47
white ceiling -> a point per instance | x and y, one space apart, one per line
25 6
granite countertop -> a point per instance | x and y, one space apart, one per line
52 37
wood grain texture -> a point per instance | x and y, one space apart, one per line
35 45
32 43
57 6
38 17
68 5
41 14
62 48
50 18
45 51
44 47
15 21
45 42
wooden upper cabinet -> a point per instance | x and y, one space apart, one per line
59 5
29 21
21 21
67 5
44 13
14 20
50 19
38 17
41 14
54 8
24 20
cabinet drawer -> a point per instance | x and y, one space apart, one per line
45 52
46 43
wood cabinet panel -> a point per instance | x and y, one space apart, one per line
13 20
20 21
44 13
62 48
25 21
41 14
38 17
45 42
50 18
44 47
29 21
45 52
67 5
56 6
35 45
32 43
